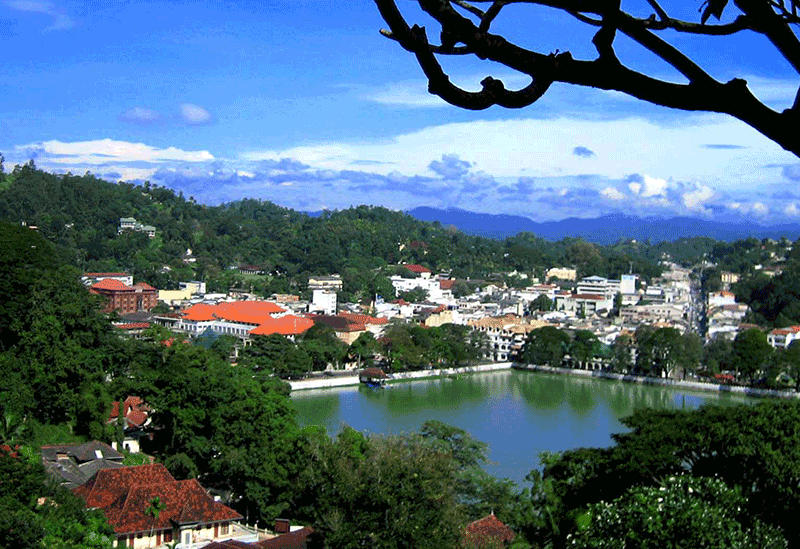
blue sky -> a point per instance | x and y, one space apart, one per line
304 104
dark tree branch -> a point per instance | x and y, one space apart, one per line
701 93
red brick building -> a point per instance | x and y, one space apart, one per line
126 299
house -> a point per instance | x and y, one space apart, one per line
188 513
123 298
349 326
781 338
73 464
488 532
136 414
130 224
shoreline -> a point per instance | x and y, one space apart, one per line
349 381
628 378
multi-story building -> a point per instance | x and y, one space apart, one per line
505 335
126 299
562 273
331 283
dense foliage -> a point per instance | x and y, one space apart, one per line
81 215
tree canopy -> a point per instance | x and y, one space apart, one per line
466 30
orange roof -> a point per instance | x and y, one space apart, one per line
199 312
285 325
246 312
110 284
786 331
143 286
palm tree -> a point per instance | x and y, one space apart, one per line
154 508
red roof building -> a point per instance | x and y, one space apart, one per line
125 299
244 318
418 269
135 412
488 532
188 514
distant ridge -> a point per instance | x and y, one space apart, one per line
607 229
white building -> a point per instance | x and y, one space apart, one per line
323 302
781 338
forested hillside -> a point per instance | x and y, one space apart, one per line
81 214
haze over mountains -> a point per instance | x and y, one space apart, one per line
607 229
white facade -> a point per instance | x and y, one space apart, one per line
323 301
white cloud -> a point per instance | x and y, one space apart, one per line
140 115
61 20
544 148
759 208
694 199
792 210
612 193
107 151
406 95
194 114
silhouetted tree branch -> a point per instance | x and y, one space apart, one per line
465 30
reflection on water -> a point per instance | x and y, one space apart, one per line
518 413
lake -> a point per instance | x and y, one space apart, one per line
518 413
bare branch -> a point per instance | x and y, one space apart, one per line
702 93
455 50
469 7
491 14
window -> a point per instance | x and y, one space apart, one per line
225 528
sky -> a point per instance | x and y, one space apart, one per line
303 103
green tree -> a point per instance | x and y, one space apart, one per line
541 303
278 355
220 425
387 492
683 513
363 349
584 347
545 346
751 352
61 521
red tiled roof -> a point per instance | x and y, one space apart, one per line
143 286
109 484
123 495
364 319
786 331
135 411
447 284
110 284
292 540
487 532
132 326
416 268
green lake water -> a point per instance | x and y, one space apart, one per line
519 414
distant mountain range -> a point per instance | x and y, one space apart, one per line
607 229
